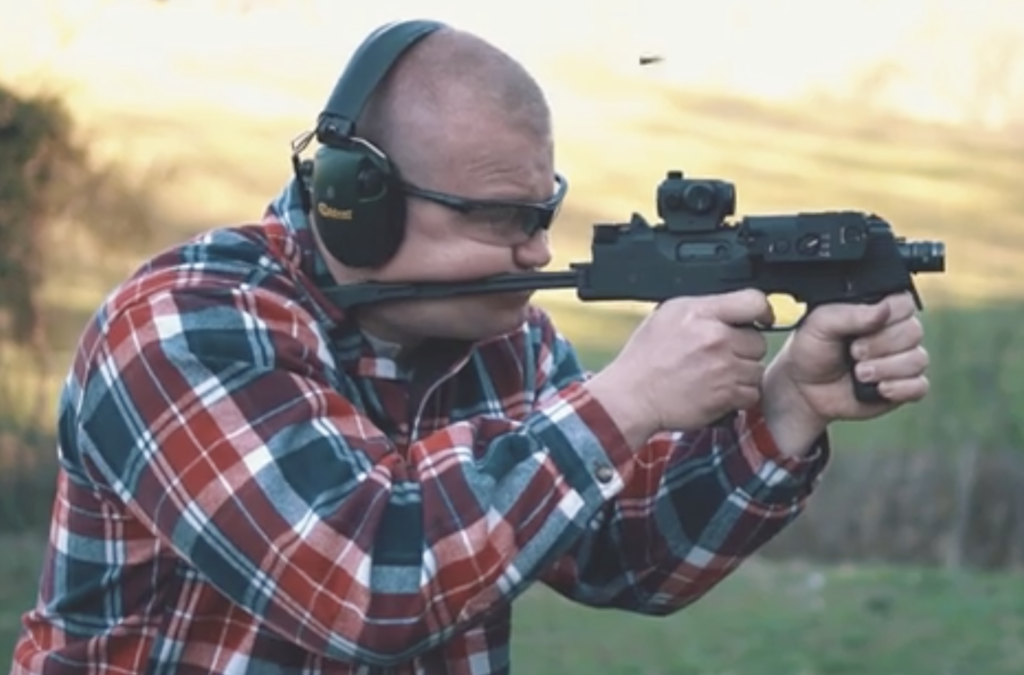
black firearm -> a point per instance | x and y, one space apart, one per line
814 257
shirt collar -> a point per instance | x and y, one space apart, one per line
287 209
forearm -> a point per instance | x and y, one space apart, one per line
696 508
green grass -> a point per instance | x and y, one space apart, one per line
19 572
768 619
771 619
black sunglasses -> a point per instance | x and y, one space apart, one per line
530 217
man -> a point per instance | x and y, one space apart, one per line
254 481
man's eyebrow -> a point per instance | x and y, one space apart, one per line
509 195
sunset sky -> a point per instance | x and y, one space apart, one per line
943 59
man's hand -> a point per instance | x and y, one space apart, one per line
808 385
691 361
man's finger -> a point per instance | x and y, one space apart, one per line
893 339
750 344
901 306
900 366
742 308
904 391
837 321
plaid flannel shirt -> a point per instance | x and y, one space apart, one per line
248 485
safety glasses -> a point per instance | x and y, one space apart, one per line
499 221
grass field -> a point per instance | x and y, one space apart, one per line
769 619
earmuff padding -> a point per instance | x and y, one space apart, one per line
357 205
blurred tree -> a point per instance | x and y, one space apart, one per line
37 158
54 196
48 181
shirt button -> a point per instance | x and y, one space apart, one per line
604 473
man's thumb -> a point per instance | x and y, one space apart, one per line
872 317
840 321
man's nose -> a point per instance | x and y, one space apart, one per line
535 252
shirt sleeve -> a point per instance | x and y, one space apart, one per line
208 412
694 508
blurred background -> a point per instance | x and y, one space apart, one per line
126 125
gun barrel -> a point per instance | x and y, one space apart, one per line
924 256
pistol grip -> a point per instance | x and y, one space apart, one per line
865 392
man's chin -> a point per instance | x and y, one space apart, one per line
502 314
511 299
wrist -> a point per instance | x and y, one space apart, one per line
792 422
624 408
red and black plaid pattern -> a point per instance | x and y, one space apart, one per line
248 485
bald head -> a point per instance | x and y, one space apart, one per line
449 84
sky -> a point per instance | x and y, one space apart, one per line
948 60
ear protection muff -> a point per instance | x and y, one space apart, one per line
351 190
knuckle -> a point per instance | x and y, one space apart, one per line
716 334
901 302
759 304
916 329
863 348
